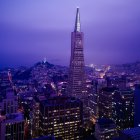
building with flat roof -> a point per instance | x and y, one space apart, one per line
60 116
12 127
105 129
130 134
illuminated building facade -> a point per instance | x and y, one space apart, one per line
76 83
105 102
62 117
123 108
93 102
105 129
98 85
12 127
36 120
36 115
77 73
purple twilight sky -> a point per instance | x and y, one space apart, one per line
33 29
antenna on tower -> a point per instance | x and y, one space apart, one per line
77 21
45 60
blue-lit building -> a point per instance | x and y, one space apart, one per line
105 129
12 127
130 134
137 105
8 102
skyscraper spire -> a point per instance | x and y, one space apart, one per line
77 21
77 82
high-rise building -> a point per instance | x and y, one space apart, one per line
137 105
105 102
123 108
12 127
76 83
105 129
98 85
36 115
93 102
59 116
8 103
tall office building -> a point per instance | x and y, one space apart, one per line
36 115
98 85
9 103
93 102
59 116
12 127
76 83
76 86
123 108
137 105
105 102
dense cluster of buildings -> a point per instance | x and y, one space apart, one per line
54 103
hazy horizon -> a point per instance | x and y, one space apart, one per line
28 66
32 30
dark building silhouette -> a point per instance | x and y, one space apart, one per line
129 134
105 102
93 101
137 105
115 81
105 129
123 108
12 127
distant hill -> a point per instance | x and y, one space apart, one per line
54 71
26 73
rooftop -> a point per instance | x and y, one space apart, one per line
109 89
133 133
104 124
60 100
125 93
105 121
15 117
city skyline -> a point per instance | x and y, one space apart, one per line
79 102
33 30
